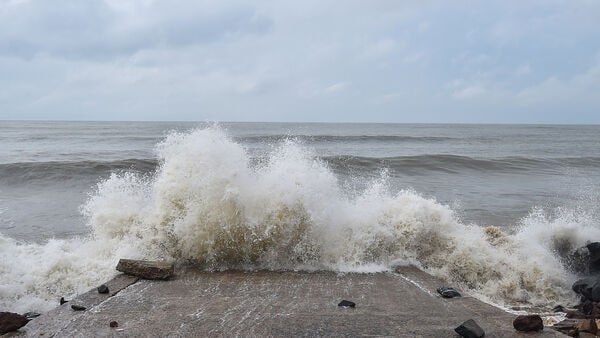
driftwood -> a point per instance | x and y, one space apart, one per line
146 269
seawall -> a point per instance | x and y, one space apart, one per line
196 303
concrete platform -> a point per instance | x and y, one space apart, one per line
277 304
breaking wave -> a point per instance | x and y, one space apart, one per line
207 203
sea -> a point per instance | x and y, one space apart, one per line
491 209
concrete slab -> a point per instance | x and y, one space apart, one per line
266 303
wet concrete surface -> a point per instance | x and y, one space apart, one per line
276 304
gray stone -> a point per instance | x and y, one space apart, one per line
347 303
448 292
470 329
31 315
103 289
146 269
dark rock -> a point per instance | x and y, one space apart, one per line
527 323
559 308
447 292
587 325
587 307
565 325
470 329
578 261
11 322
588 288
62 300
576 315
77 307
594 261
114 324
103 289
146 269
347 303
31 315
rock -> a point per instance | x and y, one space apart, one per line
31 315
576 315
447 292
114 324
146 269
527 323
469 329
578 261
103 289
566 326
559 308
588 288
594 260
11 322
587 307
585 260
77 307
587 325
62 300
347 303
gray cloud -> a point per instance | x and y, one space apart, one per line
300 61
96 29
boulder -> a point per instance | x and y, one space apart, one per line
578 261
146 269
469 329
528 323
588 288
594 258
114 324
587 325
11 322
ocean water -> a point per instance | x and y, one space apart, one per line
489 208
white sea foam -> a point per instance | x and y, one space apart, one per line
207 204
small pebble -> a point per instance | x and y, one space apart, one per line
448 292
103 289
77 307
347 303
31 315
114 324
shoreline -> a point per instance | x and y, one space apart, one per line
274 303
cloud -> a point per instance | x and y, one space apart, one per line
102 29
298 60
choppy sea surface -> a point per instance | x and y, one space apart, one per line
490 208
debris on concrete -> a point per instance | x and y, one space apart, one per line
347 303
146 269
470 329
103 289
447 292
528 323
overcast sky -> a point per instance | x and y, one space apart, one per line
352 61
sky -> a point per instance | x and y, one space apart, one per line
493 61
